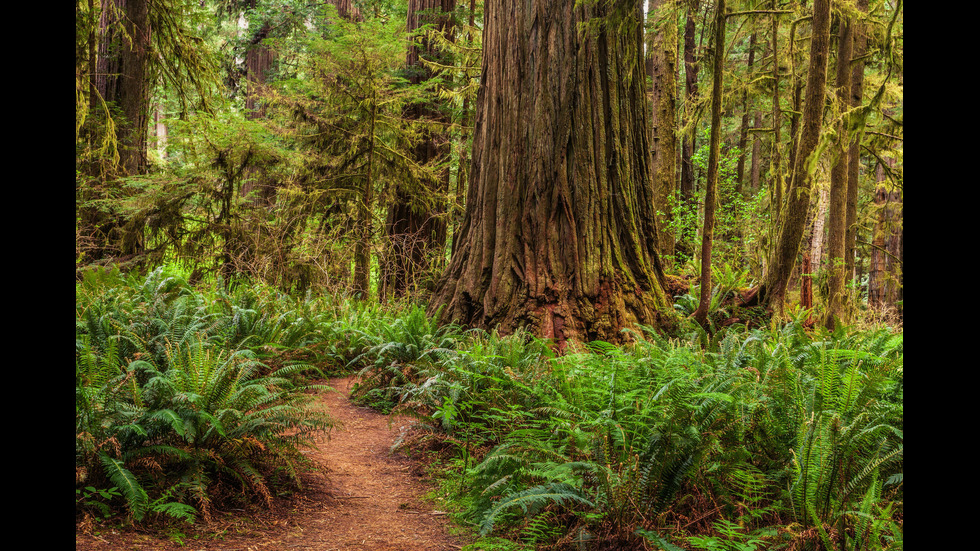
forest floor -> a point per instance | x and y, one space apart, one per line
364 498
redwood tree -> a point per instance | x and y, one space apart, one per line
559 234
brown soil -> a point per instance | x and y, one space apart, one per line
364 498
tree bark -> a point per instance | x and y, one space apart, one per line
134 91
793 219
836 219
854 151
662 70
559 231
258 61
714 147
776 169
691 88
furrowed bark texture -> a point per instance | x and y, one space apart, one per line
134 92
559 232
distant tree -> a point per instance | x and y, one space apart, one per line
416 219
884 273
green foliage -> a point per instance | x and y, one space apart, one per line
170 412
771 436
741 218
767 436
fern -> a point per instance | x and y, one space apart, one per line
532 500
136 498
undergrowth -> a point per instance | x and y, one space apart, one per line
777 438
181 402
770 437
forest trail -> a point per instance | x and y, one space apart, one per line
373 498
364 499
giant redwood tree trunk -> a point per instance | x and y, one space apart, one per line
559 234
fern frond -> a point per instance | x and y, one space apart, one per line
136 498
532 500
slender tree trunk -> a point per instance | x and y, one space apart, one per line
662 70
793 219
743 135
714 148
755 168
775 164
838 184
159 131
559 228
854 151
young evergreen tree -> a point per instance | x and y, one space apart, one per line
559 234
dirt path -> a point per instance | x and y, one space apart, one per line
374 501
366 499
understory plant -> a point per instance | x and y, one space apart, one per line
754 439
172 416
